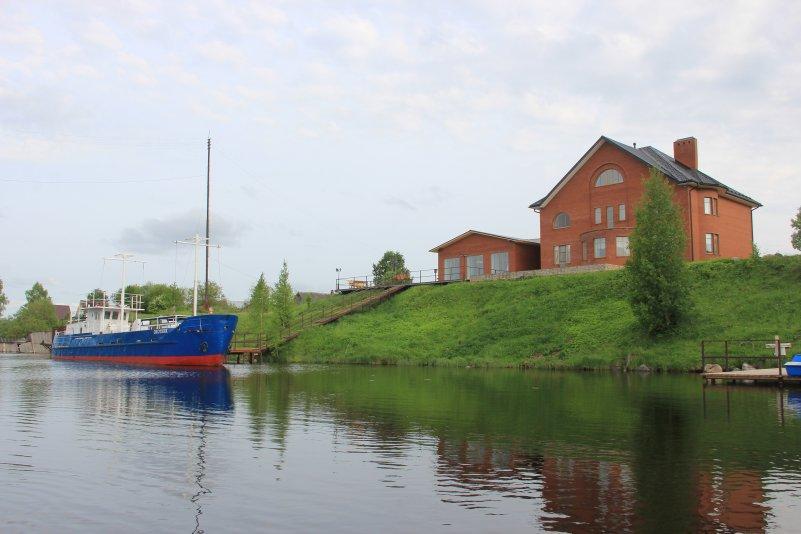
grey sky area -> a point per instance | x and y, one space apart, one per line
343 129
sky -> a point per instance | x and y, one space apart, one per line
343 129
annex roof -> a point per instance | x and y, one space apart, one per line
485 234
652 157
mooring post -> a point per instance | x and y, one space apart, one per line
703 354
779 355
726 354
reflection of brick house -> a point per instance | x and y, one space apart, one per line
587 217
732 502
476 253
584 495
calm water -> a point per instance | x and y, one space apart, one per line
86 447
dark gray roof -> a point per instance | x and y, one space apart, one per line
670 167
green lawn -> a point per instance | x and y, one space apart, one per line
570 321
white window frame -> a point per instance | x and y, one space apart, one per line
495 264
452 273
710 206
621 212
626 250
609 177
595 248
610 216
598 216
712 244
561 252
565 219
472 270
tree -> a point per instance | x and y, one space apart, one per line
37 314
3 299
658 283
391 268
796 225
259 303
36 292
282 298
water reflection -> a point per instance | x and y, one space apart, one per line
616 454
466 449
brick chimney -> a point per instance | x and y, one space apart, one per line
685 151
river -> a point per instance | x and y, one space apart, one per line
98 448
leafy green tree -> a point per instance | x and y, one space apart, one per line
37 314
283 298
259 304
3 299
95 294
796 225
658 283
390 269
36 292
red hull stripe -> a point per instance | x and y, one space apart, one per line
206 360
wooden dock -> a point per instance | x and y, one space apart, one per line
770 376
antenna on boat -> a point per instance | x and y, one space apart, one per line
208 215
123 257
197 241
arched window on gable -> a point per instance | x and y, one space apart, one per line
562 220
609 177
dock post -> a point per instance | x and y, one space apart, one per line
726 354
703 354
779 356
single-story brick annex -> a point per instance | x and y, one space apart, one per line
586 219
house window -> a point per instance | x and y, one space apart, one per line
621 212
453 268
584 250
597 215
622 246
500 262
710 206
610 217
475 265
562 220
561 254
609 177
600 247
712 242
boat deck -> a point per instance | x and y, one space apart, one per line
756 375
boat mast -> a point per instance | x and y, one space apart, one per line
123 257
197 242
208 237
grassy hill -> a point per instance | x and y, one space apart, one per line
571 321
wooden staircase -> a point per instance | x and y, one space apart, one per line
251 348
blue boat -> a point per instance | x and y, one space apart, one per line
793 367
109 329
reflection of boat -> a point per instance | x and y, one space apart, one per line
794 401
137 389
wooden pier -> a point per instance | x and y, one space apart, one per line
720 360
774 376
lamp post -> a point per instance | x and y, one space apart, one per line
339 270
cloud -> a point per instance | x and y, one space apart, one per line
100 34
222 52
426 198
157 235
350 35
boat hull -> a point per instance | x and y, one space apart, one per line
198 341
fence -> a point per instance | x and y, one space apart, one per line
420 276
768 352
247 341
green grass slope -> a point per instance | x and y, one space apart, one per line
570 321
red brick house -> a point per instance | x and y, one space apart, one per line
587 217
476 253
